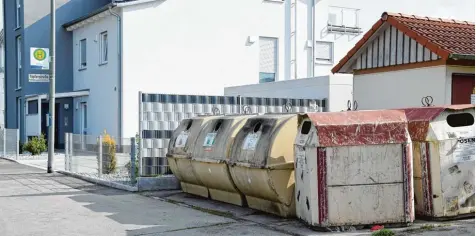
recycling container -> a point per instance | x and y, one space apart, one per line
211 154
443 152
262 163
353 168
179 154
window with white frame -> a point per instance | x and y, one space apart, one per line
19 56
103 44
268 59
17 13
82 54
324 52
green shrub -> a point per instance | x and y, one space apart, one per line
109 161
36 145
383 232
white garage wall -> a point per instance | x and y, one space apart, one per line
398 89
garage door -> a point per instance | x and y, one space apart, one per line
462 86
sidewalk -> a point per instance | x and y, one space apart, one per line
35 203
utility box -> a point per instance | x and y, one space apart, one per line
262 163
443 152
180 151
211 155
353 168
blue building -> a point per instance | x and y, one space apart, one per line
26 26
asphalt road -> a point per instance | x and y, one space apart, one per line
35 203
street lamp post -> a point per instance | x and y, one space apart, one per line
51 134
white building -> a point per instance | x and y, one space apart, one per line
201 47
410 61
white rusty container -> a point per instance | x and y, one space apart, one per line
353 168
443 152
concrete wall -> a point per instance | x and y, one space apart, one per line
404 88
101 79
194 47
336 88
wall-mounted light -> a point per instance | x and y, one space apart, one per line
252 39
66 106
309 43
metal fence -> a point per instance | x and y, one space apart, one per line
101 157
9 143
160 114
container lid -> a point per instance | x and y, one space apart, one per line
419 118
354 128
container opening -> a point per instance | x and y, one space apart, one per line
257 127
217 126
306 127
460 119
189 125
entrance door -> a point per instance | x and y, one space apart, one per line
462 86
45 108
84 118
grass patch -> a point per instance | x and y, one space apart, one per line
383 232
427 227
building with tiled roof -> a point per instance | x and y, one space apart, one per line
403 59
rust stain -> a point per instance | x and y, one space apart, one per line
356 128
322 185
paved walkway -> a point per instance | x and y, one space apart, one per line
35 203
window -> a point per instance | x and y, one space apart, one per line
268 59
103 48
19 67
324 52
82 54
17 13
32 107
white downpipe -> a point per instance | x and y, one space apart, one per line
313 23
295 40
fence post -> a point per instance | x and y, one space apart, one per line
4 143
141 114
70 151
100 156
18 144
66 151
133 159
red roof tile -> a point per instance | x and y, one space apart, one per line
441 36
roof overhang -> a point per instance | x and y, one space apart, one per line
79 93
100 13
385 21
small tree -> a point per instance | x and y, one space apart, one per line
36 145
109 161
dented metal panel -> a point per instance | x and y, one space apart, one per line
180 153
262 163
211 154
359 127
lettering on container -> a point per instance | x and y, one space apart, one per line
300 156
251 141
181 139
209 140
301 140
464 150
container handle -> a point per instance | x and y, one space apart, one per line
287 107
247 109
427 101
216 111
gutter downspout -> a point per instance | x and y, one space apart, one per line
119 72
313 23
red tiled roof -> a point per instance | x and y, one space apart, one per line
442 37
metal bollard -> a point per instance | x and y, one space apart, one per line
66 152
100 156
